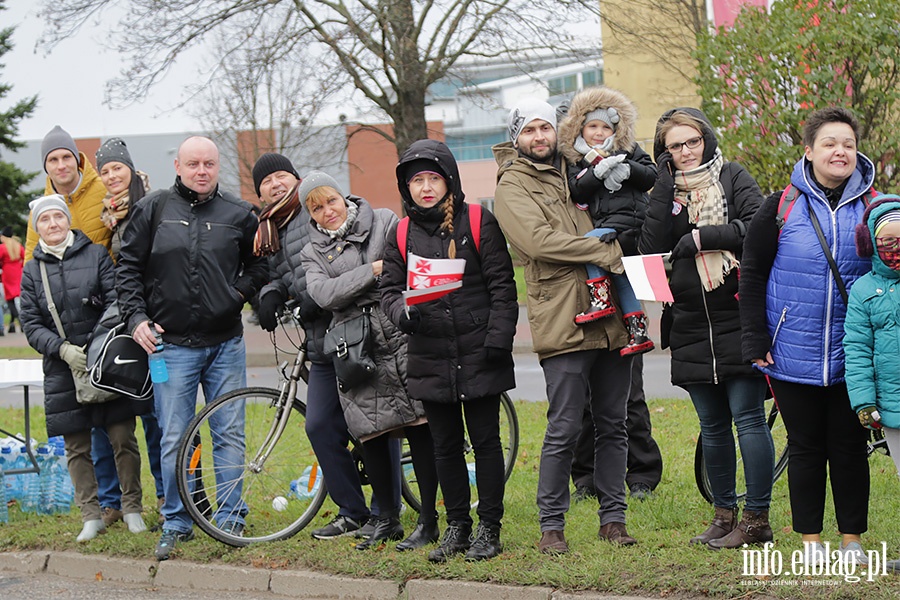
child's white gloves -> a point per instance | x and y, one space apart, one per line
603 168
617 175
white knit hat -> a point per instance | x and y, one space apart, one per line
527 111
45 203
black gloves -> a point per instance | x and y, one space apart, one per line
685 248
665 165
498 355
309 310
269 307
608 237
410 324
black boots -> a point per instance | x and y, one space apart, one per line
454 541
638 339
723 523
753 529
486 543
601 301
422 535
387 528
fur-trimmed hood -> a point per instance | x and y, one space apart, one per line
590 99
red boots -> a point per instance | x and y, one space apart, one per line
638 339
601 301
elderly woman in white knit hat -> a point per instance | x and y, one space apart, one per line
65 289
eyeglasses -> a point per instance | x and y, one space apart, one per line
691 144
891 244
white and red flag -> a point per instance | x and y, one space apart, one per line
647 276
430 278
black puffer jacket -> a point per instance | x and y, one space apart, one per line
192 274
705 327
448 354
289 281
83 285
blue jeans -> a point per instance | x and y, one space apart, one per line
741 399
219 369
628 301
108 492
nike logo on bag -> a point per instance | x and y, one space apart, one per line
123 361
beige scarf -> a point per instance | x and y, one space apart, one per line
701 193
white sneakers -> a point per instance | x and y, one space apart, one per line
135 522
91 530
814 553
854 551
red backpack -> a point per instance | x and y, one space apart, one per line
474 226
790 195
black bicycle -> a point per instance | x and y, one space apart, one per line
280 483
876 443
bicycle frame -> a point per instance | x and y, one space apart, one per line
288 395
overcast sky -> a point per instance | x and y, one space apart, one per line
70 83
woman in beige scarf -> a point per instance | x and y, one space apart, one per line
124 187
700 208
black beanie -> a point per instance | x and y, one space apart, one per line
6 231
114 150
270 163
418 165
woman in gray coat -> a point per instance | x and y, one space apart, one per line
343 263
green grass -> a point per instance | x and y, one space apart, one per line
662 564
16 352
519 273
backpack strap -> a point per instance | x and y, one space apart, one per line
474 226
785 204
402 233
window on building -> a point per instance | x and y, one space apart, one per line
562 85
592 77
474 146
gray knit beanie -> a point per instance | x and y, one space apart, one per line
527 111
114 150
610 116
55 139
45 203
313 180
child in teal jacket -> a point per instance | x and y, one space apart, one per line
872 326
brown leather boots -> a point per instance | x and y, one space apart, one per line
726 532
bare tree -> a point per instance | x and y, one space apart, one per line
267 100
391 50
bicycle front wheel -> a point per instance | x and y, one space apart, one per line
509 441
255 490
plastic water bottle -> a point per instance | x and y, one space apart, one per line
471 468
68 488
4 510
301 488
7 462
31 493
54 477
158 371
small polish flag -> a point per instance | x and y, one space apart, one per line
429 279
647 275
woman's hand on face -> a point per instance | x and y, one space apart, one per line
764 362
376 267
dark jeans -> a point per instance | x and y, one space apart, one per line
824 436
482 420
108 491
600 378
645 462
740 400
381 471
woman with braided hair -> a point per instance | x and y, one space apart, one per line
460 345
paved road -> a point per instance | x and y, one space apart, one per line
529 377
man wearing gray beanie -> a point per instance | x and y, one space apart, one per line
71 175
546 229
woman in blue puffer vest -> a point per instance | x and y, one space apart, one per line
792 316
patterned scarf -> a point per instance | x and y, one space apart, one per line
352 212
701 193
274 217
115 207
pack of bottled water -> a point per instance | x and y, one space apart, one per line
48 492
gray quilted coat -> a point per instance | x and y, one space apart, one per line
339 278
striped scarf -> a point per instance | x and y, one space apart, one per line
701 193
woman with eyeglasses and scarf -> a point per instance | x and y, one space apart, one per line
699 211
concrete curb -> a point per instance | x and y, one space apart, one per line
292 584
